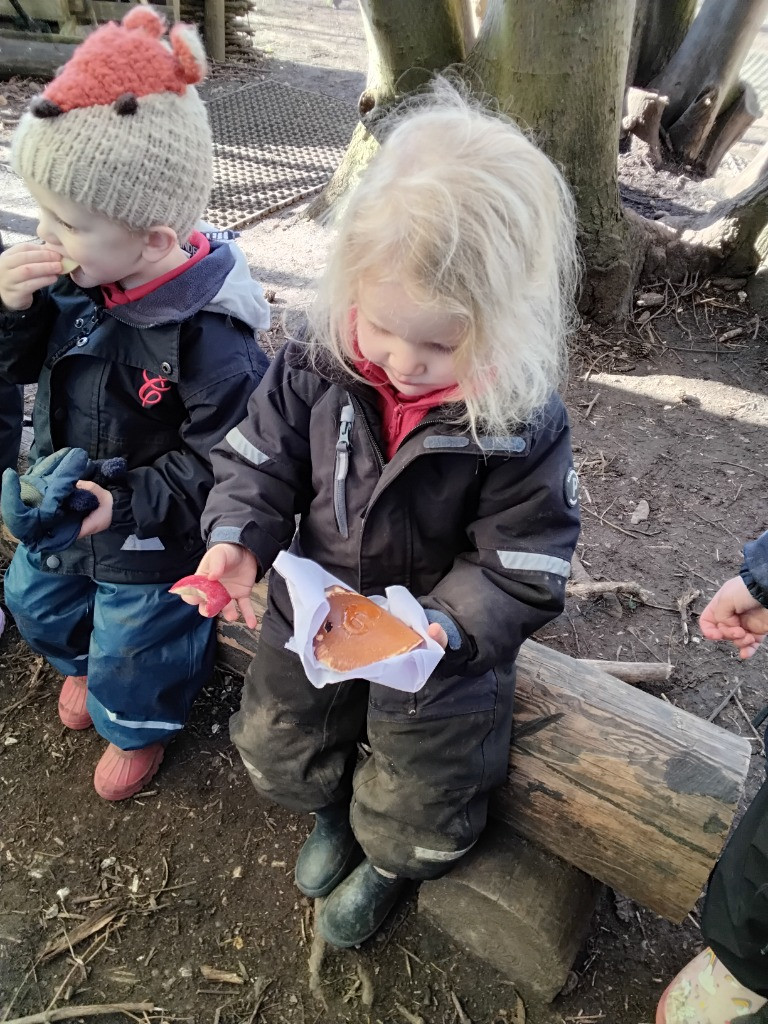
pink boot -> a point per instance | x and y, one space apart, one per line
705 992
72 709
121 773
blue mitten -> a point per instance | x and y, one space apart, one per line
44 509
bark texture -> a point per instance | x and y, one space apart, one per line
559 69
659 28
408 40
710 57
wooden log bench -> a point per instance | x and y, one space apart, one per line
625 787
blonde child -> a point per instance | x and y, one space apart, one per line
417 435
141 350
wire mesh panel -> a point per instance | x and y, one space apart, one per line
273 145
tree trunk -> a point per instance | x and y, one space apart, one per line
710 57
659 29
408 40
559 68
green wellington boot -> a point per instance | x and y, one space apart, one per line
329 854
357 908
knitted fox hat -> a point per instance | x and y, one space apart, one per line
121 128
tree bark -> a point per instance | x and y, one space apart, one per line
729 128
634 791
559 68
710 56
408 40
659 29
729 239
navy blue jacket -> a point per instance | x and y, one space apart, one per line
159 381
754 571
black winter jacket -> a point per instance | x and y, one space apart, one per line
158 381
481 533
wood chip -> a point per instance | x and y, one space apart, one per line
95 923
227 977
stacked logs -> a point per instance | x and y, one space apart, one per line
238 34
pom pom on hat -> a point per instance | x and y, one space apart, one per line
121 129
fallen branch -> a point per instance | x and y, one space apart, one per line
633 671
580 575
92 1010
596 589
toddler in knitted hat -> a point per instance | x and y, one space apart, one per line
139 332
119 143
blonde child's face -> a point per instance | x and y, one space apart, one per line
415 346
105 251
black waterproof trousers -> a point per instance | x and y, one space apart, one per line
420 800
735 919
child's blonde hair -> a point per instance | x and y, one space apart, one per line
466 214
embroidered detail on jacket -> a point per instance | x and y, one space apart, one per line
151 391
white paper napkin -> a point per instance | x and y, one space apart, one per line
307 583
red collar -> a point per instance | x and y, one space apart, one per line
115 295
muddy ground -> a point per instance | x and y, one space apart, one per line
195 876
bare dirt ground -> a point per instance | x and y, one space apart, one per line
143 902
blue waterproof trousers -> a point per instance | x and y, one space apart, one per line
145 652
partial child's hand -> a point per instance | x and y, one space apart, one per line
236 568
436 631
101 518
734 614
25 269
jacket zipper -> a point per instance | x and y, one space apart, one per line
341 467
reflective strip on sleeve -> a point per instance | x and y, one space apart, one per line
441 856
534 562
243 447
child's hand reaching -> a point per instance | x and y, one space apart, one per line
236 568
24 269
734 614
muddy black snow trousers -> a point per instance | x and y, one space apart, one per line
419 801
735 918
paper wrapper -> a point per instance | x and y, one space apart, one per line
307 583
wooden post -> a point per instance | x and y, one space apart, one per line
632 790
215 24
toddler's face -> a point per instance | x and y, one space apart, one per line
414 346
104 250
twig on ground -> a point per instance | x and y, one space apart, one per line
316 954
260 987
92 1010
366 981
598 589
724 703
748 720
683 604
463 1018
412 1018
101 919
615 526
